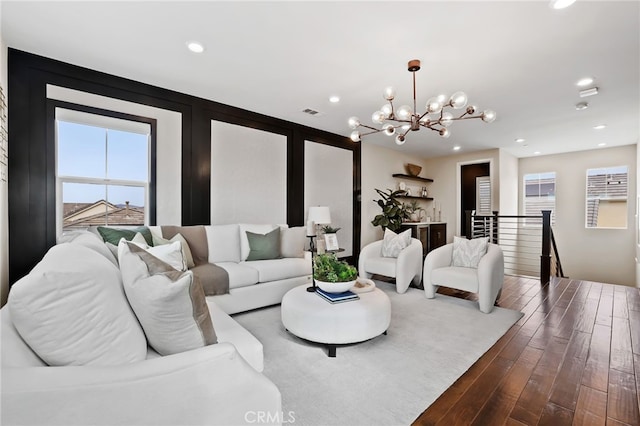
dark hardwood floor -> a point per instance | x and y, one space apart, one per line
572 359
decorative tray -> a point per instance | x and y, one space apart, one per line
363 285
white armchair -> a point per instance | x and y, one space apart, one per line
486 281
406 268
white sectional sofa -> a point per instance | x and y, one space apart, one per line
259 283
218 384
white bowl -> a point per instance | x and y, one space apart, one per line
335 287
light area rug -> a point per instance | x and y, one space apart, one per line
388 380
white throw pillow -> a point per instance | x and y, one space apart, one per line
186 250
71 310
292 241
171 253
393 244
170 305
467 253
91 240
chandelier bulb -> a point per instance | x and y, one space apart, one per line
389 93
447 119
488 116
458 100
471 109
355 136
386 110
389 130
354 122
404 112
400 140
434 105
378 117
444 133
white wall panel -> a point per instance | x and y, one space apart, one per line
329 182
248 175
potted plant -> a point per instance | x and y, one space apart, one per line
328 229
333 275
393 211
414 211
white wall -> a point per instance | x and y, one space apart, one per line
4 197
328 181
508 183
168 146
248 175
378 164
603 255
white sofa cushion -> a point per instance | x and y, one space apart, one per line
280 269
91 240
292 241
170 304
224 243
459 277
15 352
240 275
381 265
171 253
71 310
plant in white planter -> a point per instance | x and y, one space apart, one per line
333 275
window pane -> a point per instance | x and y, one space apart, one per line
607 197
86 204
81 150
540 191
127 156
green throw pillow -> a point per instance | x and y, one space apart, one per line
113 235
265 246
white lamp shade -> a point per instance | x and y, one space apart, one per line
319 214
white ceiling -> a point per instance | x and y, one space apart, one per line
519 58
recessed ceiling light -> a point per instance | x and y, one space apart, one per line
334 99
195 47
584 82
602 144
519 140
561 4
536 153
456 148
599 126
582 105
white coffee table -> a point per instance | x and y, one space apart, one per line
309 316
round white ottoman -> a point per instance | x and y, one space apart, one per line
309 316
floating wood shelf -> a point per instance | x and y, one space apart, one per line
418 178
415 197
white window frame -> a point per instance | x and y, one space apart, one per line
607 171
107 123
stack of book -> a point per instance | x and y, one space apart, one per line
345 296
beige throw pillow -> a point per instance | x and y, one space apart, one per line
186 251
169 304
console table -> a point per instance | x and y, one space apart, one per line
431 234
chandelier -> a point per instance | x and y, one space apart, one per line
405 119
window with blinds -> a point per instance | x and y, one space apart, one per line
540 194
607 197
483 196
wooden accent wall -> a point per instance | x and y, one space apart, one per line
32 201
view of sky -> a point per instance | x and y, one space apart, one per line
93 152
